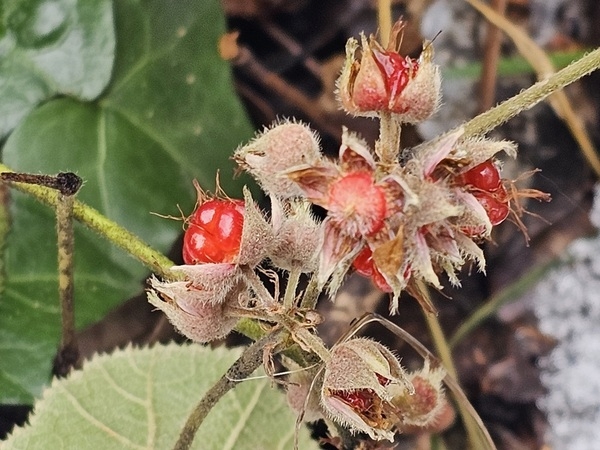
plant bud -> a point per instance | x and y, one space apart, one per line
257 234
359 383
210 282
421 407
277 150
189 312
297 236
383 81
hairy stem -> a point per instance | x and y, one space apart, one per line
487 121
4 230
247 363
311 293
105 227
257 286
68 354
388 145
304 337
290 289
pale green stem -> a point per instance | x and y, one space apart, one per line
304 337
257 285
289 298
443 350
384 20
107 228
530 97
311 294
245 365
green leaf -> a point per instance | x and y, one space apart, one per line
50 47
170 114
140 399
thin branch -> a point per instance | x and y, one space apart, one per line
530 97
247 363
68 356
289 298
67 184
105 227
491 55
311 293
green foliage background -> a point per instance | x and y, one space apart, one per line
132 96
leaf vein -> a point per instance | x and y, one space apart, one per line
170 149
100 169
123 392
243 420
96 423
151 440
31 303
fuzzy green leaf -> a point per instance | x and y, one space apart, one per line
140 399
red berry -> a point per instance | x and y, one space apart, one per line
484 176
363 264
214 233
360 400
382 380
496 210
398 70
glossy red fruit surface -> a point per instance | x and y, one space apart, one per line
484 176
214 232
496 210
363 264
360 400
398 70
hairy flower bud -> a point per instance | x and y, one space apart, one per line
210 282
276 150
257 234
297 236
383 81
359 384
300 391
190 310
422 407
